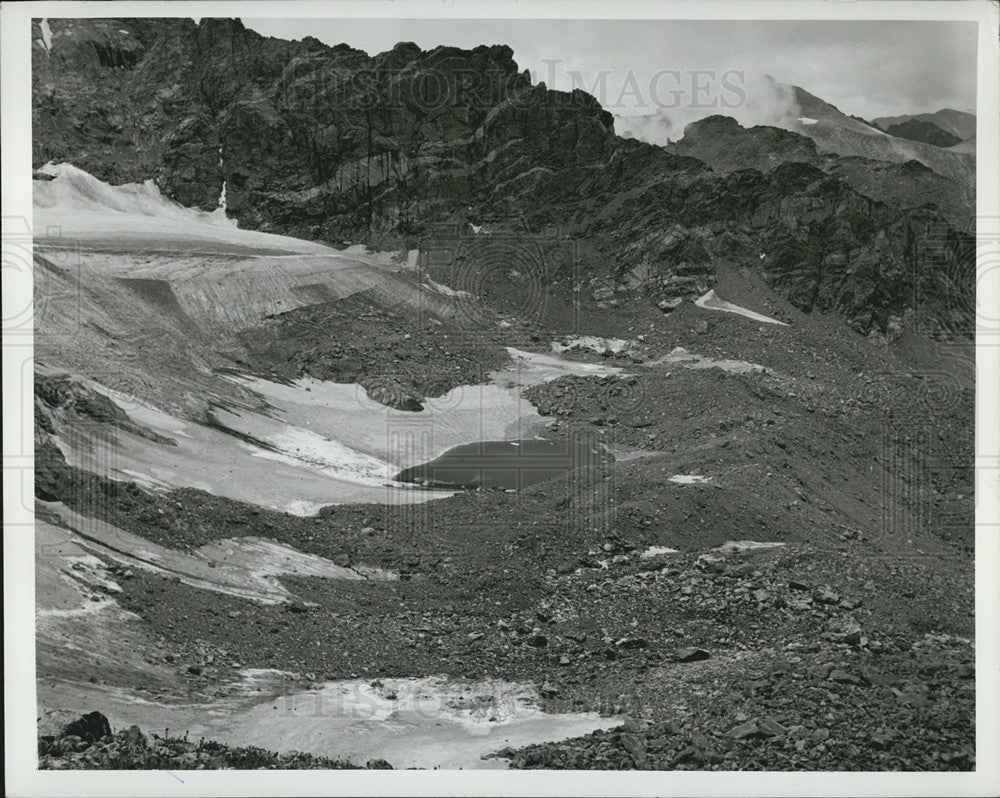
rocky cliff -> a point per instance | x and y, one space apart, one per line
331 144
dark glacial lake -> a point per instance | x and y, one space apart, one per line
511 465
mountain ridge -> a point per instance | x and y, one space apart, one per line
959 123
330 144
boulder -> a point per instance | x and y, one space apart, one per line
691 655
90 727
843 677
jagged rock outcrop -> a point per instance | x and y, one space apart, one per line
329 143
726 146
310 140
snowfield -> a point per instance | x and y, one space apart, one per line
712 302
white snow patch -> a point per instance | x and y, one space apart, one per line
304 509
264 559
314 465
682 357
443 289
428 722
145 480
344 413
711 302
656 551
805 120
92 571
594 343
46 35
688 479
298 446
247 567
90 608
746 545
222 194
534 368
90 210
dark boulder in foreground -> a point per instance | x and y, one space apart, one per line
90 727
692 655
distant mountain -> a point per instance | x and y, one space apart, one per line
836 132
920 130
726 146
958 123
815 114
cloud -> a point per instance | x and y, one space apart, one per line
763 101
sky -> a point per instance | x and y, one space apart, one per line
869 69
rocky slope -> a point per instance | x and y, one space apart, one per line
846 645
328 143
967 146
